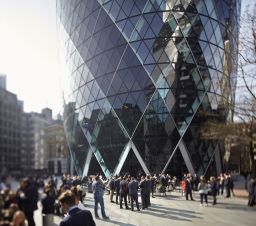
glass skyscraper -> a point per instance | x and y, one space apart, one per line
144 76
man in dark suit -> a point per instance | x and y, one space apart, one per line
143 192
117 187
76 216
123 192
133 187
28 197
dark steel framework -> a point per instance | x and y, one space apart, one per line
144 74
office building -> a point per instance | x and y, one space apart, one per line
11 110
144 76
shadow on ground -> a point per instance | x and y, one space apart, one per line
232 206
171 213
157 210
118 222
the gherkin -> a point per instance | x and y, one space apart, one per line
141 74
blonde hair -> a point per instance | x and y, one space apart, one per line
202 179
19 215
212 178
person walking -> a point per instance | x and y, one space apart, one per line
123 193
133 187
203 191
221 183
148 190
153 185
117 187
75 215
228 185
98 191
214 189
231 185
143 192
111 186
251 187
188 188
48 201
28 196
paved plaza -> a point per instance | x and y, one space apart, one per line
175 210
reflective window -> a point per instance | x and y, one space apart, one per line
140 73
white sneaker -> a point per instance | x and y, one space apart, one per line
201 204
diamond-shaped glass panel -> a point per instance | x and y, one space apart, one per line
111 146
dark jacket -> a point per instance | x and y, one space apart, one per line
133 187
48 204
117 184
148 186
123 187
213 186
143 187
29 203
111 184
78 217
188 186
251 185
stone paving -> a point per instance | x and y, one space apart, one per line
175 210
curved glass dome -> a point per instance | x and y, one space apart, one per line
141 74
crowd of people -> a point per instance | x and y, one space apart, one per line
214 187
67 198
18 207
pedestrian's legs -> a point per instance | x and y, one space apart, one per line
201 198
191 195
121 200
228 192
132 199
214 199
232 191
137 202
111 195
125 201
143 201
102 207
96 201
251 200
117 196
152 191
147 200
206 199
186 194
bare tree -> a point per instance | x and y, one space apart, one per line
247 60
246 104
243 130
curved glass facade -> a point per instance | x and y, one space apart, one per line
142 75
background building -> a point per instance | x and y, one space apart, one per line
144 75
11 110
27 144
57 148
48 142
30 143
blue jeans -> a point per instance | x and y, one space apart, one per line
203 196
99 200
